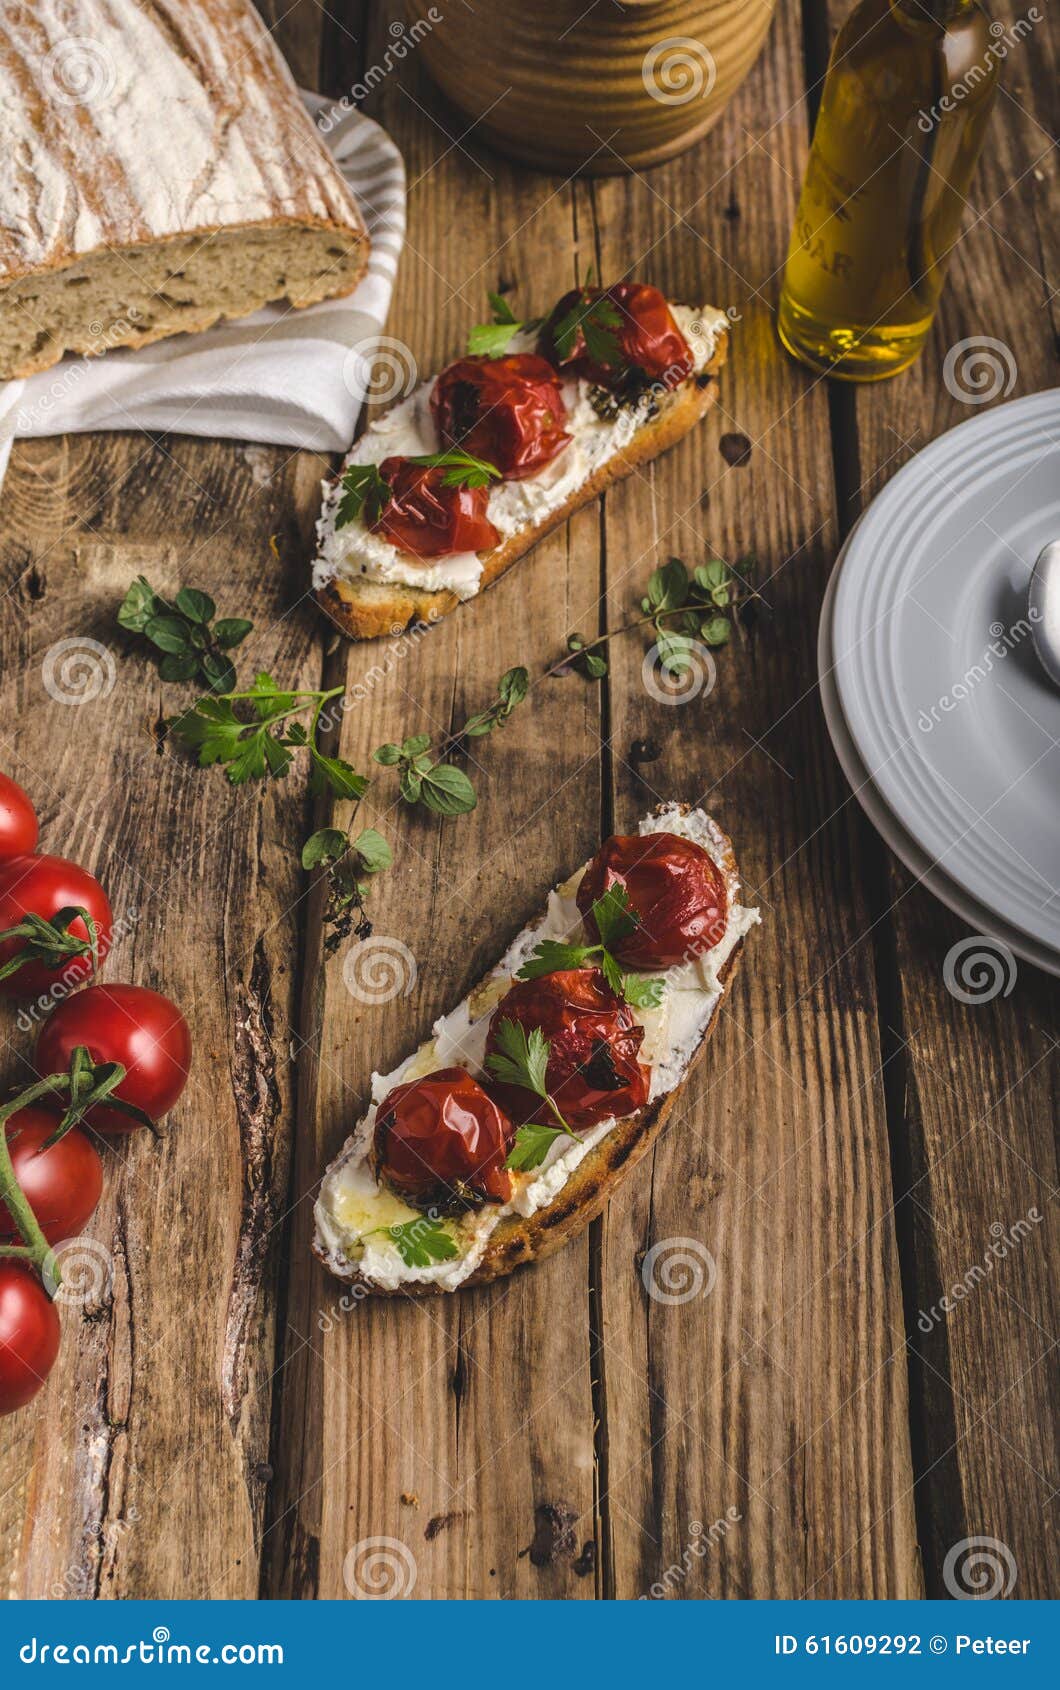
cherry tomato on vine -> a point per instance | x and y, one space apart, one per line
675 889
19 829
29 1335
43 886
62 1184
593 1071
141 1029
439 1137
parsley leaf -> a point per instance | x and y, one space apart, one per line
364 493
521 1059
598 321
530 1146
490 340
461 469
420 1242
615 920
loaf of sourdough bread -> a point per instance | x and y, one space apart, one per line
160 173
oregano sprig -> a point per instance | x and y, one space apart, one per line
190 643
349 866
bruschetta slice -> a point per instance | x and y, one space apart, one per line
505 1134
455 483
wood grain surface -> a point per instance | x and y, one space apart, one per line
218 1424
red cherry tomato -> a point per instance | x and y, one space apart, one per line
648 339
593 1072
19 829
425 518
42 885
62 1185
141 1029
508 411
675 889
441 1140
29 1335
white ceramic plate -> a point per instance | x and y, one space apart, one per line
946 705
979 918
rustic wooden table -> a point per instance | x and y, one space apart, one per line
216 1426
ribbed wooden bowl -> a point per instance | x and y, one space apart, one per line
594 88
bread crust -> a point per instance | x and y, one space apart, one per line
518 1240
370 610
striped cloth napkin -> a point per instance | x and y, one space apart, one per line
281 377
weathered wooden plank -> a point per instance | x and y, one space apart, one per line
142 1470
159 1406
480 1408
973 1086
756 1435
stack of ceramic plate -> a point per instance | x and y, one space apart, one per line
943 719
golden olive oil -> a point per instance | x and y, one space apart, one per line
903 113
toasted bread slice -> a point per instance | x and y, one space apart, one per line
364 610
517 1239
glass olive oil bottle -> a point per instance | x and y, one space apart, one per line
903 112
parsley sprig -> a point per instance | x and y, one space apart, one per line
492 339
521 1059
254 746
365 490
182 630
615 921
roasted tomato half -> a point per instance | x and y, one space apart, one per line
428 519
675 890
440 1140
593 1071
509 411
603 336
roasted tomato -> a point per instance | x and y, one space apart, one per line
45 886
62 1184
630 327
425 518
141 1029
18 820
675 890
593 1071
441 1140
509 411
29 1335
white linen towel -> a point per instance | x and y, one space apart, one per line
279 377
